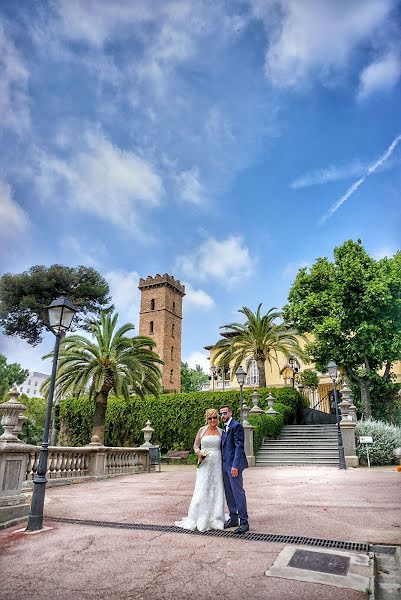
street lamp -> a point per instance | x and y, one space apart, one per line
61 314
240 375
333 370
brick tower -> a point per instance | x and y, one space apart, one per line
160 318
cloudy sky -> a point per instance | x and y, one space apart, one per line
226 143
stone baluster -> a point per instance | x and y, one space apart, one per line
348 425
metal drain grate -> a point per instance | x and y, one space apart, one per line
249 537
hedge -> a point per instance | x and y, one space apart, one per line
175 417
386 438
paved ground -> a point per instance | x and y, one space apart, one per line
85 562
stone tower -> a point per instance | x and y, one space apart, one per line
160 318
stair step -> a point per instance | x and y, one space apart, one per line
278 463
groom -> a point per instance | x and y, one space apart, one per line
234 462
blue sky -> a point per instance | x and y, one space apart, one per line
226 143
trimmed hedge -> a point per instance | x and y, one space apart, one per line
175 418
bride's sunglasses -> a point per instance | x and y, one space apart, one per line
211 418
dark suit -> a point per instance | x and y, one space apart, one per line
232 450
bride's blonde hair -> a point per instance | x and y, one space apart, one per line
211 412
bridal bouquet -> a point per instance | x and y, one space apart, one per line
204 454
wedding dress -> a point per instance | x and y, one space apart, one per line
206 510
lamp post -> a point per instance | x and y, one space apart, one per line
241 375
61 313
213 369
333 370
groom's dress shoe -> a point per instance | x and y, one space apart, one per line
230 523
242 529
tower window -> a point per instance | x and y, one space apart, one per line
174 307
172 352
172 330
152 304
171 375
151 327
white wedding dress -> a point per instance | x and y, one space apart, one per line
206 510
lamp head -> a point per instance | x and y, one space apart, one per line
240 375
61 314
332 370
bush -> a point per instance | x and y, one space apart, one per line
386 438
270 425
175 418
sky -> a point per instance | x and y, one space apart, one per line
227 143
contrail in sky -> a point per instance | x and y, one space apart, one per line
359 182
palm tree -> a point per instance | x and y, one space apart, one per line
260 338
112 361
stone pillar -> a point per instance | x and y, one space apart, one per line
14 454
347 426
248 437
97 460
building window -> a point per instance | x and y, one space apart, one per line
152 304
173 307
172 330
20 389
172 352
29 382
171 375
36 383
151 327
28 390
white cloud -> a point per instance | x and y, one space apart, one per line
316 38
380 76
197 298
13 219
291 269
80 248
14 102
103 180
384 252
125 295
29 357
198 358
226 261
189 187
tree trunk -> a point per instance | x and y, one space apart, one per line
99 416
365 397
261 373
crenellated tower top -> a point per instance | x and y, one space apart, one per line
162 280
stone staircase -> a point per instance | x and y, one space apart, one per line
300 445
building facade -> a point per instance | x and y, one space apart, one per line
32 384
160 318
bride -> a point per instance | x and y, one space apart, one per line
206 510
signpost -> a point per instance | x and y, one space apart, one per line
366 439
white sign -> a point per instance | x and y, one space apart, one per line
365 439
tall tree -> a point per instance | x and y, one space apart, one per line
352 306
24 297
260 337
111 362
10 374
192 379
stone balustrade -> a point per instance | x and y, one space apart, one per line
87 462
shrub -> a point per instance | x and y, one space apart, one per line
386 438
269 425
175 417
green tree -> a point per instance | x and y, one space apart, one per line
352 306
309 378
192 379
10 374
260 337
112 362
24 297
